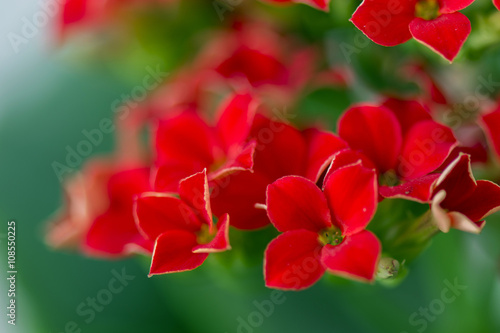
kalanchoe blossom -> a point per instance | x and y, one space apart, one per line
434 23
256 57
401 140
98 217
186 143
322 230
181 226
461 202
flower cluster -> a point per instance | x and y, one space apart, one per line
208 171
438 24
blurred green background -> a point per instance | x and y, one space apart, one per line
47 98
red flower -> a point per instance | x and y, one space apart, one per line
186 144
323 5
497 4
434 23
461 202
114 233
322 231
257 58
281 150
98 217
402 142
491 124
181 226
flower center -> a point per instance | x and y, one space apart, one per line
389 178
204 236
331 236
427 9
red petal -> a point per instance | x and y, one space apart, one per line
484 201
355 258
497 4
426 147
444 35
408 112
167 177
244 160
491 124
111 233
322 146
194 191
257 67
73 11
235 120
446 220
173 253
295 203
124 185
156 213
292 261
185 138
352 196
281 149
478 154
374 131
385 22
457 181
419 190
347 157
451 6
220 242
237 195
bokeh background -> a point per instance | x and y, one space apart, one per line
50 93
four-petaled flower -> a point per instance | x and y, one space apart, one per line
181 225
434 23
401 140
322 230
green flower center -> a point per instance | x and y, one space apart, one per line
427 9
389 178
204 236
331 236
